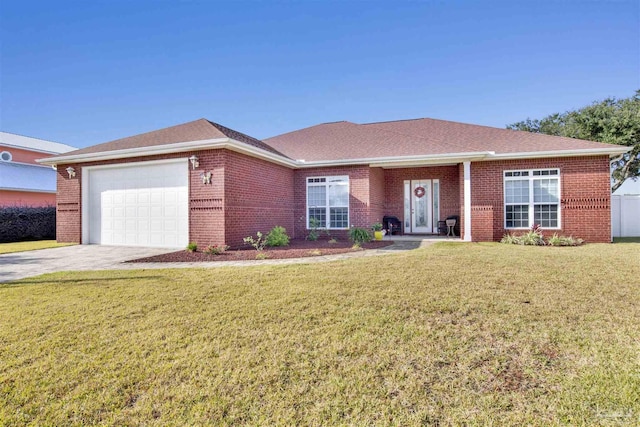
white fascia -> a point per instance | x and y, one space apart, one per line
179 147
401 161
27 190
614 150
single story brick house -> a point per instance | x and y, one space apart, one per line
202 182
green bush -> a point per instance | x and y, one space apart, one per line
192 247
23 223
314 224
359 236
556 240
277 237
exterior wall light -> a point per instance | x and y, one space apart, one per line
71 171
194 161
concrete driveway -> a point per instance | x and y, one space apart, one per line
19 265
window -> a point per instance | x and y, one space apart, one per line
532 197
328 201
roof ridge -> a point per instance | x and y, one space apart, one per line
308 127
227 130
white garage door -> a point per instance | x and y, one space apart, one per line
140 205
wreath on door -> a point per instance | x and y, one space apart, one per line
419 192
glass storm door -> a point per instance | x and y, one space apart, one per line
418 205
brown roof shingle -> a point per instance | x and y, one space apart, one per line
197 130
417 137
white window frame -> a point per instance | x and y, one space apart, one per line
309 183
531 203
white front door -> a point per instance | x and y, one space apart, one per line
418 206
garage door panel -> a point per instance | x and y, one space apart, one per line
142 205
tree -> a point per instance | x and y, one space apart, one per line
613 121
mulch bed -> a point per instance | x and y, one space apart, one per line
296 249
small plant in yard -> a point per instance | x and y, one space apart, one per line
315 252
216 249
262 255
277 237
376 227
556 240
534 237
258 243
192 247
332 241
313 235
359 236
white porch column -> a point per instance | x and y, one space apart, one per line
467 201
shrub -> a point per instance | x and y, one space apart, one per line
556 240
192 247
21 223
531 238
258 243
216 249
376 227
314 224
534 238
315 252
359 236
277 237
262 255
332 241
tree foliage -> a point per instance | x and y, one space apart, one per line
613 121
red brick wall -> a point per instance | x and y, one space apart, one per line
377 193
585 196
359 188
206 201
449 189
68 207
258 196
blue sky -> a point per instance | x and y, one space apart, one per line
84 72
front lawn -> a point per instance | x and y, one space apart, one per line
7 248
448 335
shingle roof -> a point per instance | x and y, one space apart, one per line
198 130
35 144
346 140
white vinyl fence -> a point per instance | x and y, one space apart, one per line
625 216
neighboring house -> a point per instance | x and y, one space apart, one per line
23 181
206 183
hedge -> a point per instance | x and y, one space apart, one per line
20 223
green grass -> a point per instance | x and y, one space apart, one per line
475 334
7 248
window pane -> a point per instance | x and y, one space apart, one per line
338 195
545 190
516 191
320 214
316 196
339 217
546 215
517 216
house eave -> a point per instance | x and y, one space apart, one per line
179 147
611 151
27 190
384 162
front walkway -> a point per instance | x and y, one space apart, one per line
20 265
